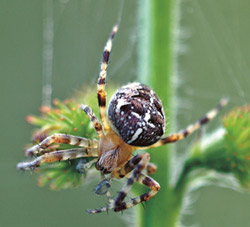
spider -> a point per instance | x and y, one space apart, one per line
135 121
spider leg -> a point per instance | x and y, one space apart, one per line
130 165
143 160
149 182
64 139
102 77
138 163
55 156
191 128
151 168
94 120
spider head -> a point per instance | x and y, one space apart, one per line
113 153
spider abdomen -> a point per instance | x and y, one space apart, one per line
136 114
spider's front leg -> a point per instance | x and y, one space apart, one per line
137 163
63 139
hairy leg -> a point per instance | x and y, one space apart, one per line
138 163
102 80
58 156
94 120
190 129
63 139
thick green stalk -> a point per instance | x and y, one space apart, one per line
157 24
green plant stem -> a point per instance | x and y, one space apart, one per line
211 156
157 24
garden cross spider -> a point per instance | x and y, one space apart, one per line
136 120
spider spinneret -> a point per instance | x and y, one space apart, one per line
136 120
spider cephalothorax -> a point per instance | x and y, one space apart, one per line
113 152
136 120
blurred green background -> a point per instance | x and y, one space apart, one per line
214 53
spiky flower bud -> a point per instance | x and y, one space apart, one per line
227 150
63 117
237 140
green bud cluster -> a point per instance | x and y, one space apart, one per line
229 151
63 117
237 141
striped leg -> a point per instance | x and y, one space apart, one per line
190 129
94 120
138 163
131 164
144 159
149 182
64 139
102 77
151 168
58 156
128 167
142 179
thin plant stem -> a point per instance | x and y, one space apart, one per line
157 23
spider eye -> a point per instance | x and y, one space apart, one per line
136 114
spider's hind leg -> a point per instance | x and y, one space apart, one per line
102 79
191 128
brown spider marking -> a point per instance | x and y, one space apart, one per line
136 120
